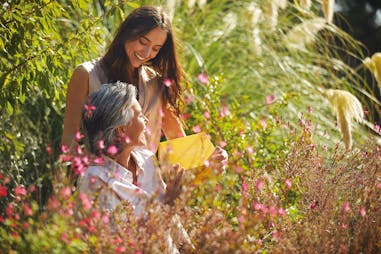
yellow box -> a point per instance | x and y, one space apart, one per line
190 151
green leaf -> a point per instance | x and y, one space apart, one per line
9 108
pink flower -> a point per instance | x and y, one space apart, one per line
27 210
161 113
238 169
259 184
346 206
378 186
98 160
112 150
3 191
127 139
206 115
101 144
203 78
270 99
78 136
263 123
20 191
64 149
310 109
79 149
48 150
89 108
120 249
281 211
167 82
288 183
222 144
86 202
224 111
363 211
196 129
313 205
65 192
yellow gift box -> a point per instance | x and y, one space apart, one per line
190 151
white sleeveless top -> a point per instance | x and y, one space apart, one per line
150 97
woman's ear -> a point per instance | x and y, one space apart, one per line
121 131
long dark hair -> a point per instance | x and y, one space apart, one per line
138 23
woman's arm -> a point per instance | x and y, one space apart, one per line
171 125
77 91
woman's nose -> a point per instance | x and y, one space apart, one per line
147 52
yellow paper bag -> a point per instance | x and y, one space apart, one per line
190 151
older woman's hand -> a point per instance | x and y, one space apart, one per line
174 185
219 159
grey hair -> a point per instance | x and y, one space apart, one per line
105 110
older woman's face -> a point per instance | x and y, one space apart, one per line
146 47
135 131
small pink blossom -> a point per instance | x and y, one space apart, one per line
222 144
89 108
263 123
79 149
241 219
167 82
238 169
127 139
86 202
206 115
281 211
288 183
224 111
259 184
346 206
101 144
78 136
310 109
196 129
3 191
48 150
120 249
27 210
313 205
112 150
203 78
64 149
65 192
270 99
20 191
161 113
378 186
363 211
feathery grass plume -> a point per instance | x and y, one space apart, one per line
191 3
255 13
328 10
305 4
270 10
374 65
170 6
281 3
346 107
201 3
304 33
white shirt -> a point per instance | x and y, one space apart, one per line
112 183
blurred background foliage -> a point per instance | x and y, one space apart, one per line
243 46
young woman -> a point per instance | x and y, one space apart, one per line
142 53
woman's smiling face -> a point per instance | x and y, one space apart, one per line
145 47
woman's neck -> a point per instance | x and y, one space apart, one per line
125 159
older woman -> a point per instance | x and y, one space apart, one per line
115 127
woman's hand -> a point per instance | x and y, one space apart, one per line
219 159
174 185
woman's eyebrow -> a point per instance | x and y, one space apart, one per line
151 41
